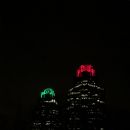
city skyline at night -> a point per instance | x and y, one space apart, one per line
84 103
48 47
32 76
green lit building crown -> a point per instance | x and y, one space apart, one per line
47 91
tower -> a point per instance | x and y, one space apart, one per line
85 102
46 113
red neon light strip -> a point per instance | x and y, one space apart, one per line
85 68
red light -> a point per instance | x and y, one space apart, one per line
85 68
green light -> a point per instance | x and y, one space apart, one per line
49 91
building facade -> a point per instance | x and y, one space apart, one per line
46 115
85 103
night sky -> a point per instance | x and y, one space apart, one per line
42 44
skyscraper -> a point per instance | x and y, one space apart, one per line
85 102
46 116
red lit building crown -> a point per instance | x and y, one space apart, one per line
85 68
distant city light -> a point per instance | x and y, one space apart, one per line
85 68
46 91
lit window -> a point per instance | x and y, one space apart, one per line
93 103
72 104
95 94
70 118
101 102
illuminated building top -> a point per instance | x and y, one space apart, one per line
46 91
46 114
85 68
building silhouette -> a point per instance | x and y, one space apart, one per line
85 107
46 114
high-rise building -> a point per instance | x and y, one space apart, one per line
85 102
46 116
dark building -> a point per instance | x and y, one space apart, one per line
85 102
46 115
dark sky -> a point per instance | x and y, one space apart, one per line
42 44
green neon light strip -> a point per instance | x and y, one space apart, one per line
49 91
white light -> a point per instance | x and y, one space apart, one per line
74 93
70 118
85 81
84 84
93 103
77 86
95 94
71 89
101 102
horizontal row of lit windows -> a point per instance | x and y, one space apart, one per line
90 108
76 118
52 101
50 123
86 83
88 98
87 93
72 93
74 128
37 123
87 103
